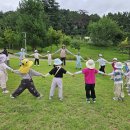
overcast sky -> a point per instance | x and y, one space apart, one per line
100 7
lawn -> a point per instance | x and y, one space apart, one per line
73 113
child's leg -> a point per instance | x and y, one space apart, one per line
35 61
3 86
92 87
32 89
19 90
3 79
87 89
60 87
118 90
53 86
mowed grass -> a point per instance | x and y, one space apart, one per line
28 113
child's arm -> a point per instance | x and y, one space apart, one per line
69 52
35 73
9 68
45 56
57 51
69 73
47 74
79 72
40 55
111 74
31 55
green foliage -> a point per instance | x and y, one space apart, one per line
32 21
66 40
105 32
54 37
11 37
76 44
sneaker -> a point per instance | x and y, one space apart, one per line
121 99
12 96
88 100
61 99
5 91
50 97
40 97
94 100
115 98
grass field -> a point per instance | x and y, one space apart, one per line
28 113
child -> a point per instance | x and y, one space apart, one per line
58 72
102 63
49 55
78 61
63 51
36 56
113 65
26 73
127 78
3 73
118 81
21 54
89 77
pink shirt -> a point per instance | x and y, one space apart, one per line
89 75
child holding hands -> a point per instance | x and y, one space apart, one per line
90 79
58 72
26 73
118 81
3 73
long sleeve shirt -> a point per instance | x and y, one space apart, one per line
29 75
102 62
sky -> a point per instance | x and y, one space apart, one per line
99 7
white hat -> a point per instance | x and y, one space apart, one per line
57 61
36 51
100 55
2 58
118 65
115 59
90 64
22 49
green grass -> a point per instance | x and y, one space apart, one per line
28 113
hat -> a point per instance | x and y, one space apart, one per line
57 61
118 65
114 59
25 66
22 49
78 53
2 58
36 51
90 64
63 45
100 55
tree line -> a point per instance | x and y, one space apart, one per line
46 24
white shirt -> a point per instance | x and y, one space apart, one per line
36 55
102 62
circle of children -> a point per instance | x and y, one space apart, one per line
26 72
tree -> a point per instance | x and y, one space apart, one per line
76 44
66 40
32 20
105 32
11 38
54 37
